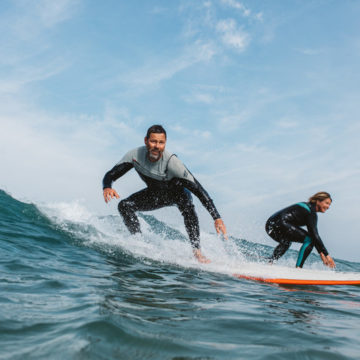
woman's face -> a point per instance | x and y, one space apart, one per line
322 206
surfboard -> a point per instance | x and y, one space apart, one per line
298 281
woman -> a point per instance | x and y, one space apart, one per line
285 227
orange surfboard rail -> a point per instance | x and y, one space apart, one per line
298 281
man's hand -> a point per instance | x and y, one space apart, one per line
327 260
109 194
220 227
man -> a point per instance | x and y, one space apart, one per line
168 182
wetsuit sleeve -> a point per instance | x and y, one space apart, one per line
180 175
116 172
313 232
196 188
121 168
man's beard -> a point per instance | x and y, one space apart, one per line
154 156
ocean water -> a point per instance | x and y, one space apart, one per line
74 285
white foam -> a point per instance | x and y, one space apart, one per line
61 211
226 256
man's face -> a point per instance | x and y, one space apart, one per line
155 145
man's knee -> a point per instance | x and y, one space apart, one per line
126 210
125 206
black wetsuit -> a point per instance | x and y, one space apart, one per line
168 182
285 227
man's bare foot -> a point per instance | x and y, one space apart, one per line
200 257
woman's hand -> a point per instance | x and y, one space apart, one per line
327 260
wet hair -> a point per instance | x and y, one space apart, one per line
320 196
157 129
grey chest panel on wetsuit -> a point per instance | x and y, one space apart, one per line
165 169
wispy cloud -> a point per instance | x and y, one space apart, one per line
159 10
164 69
287 124
229 123
15 81
62 157
198 97
246 12
25 51
27 19
309 51
237 5
228 33
191 133
52 13
232 35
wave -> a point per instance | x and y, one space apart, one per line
77 285
42 226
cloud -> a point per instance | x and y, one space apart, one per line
52 13
229 123
246 12
27 20
287 124
26 52
190 133
164 69
309 51
159 10
207 23
197 97
231 35
15 80
52 157
237 5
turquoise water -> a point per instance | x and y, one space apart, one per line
77 286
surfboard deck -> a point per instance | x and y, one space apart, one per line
298 281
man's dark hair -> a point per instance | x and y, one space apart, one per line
157 129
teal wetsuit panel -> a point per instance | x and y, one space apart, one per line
301 258
304 205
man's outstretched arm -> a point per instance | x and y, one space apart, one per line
180 175
196 188
116 172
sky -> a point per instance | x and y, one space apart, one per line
260 100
